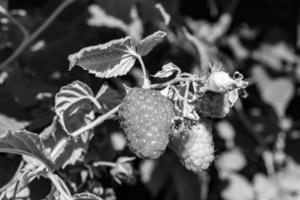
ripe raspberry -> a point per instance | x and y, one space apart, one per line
216 105
146 117
194 147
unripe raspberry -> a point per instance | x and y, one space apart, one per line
194 147
216 105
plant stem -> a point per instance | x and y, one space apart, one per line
176 80
96 122
17 23
28 40
146 83
104 163
59 187
62 143
186 98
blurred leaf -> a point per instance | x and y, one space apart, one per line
100 18
73 103
167 70
239 188
114 58
86 196
273 55
265 187
277 92
148 43
27 143
11 124
108 97
74 149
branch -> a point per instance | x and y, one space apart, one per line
200 48
176 80
35 34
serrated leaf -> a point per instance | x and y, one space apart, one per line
25 143
73 104
86 196
114 58
167 70
148 43
73 151
108 97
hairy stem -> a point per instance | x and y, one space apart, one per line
174 81
146 83
28 40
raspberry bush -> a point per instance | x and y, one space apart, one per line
143 100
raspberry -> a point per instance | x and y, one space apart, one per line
146 117
194 147
216 105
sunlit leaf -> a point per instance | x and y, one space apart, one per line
72 152
114 58
108 97
25 143
73 104
167 70
148 43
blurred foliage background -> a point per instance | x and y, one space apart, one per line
256 145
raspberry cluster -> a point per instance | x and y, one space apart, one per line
148 118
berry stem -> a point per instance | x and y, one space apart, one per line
186 98
146 83
104 163
176 80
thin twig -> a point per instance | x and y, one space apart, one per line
35 34
174 81
104 163
18 24
200 48
146 83
57 183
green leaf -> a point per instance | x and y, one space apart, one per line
73 151
148 43
86 196
111 59
73 104
25 143
167 70
108 97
